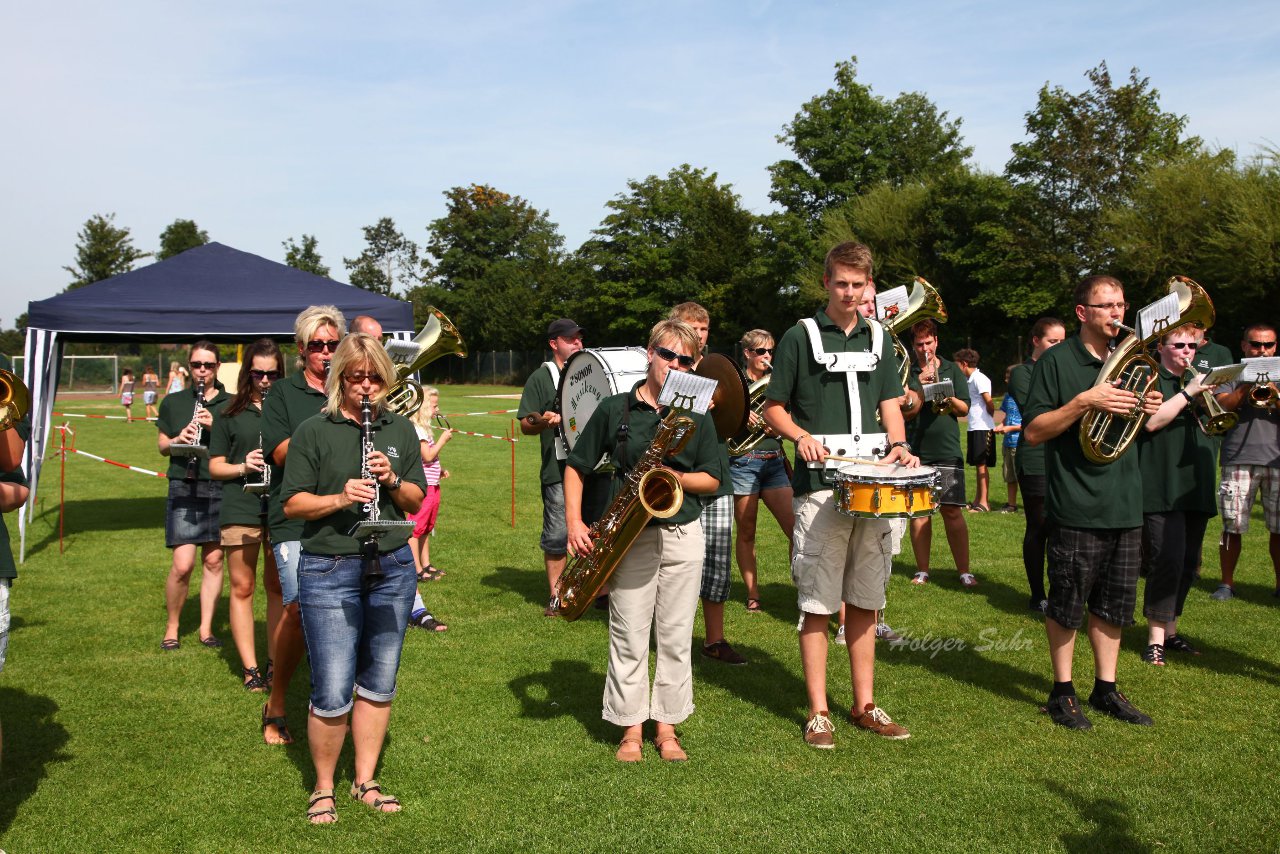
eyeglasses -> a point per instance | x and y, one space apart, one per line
208 366
320 346
670 356
1108 306
264 375
1183 345
358 379
1262 345
761 351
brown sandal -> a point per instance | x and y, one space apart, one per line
629 750
668 753
377 804
314 813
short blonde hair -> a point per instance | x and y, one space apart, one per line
690 312
312 318
755 338
677 329
355 350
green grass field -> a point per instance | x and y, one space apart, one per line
496 740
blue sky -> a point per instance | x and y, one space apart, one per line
263 121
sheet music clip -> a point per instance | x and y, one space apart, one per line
891 303
177 449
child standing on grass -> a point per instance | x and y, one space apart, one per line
425 519
126 394
1009 423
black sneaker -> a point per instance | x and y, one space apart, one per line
722 652
1066 711
1118 706
1178 643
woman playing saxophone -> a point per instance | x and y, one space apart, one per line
655 587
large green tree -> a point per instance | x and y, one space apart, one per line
179 236
496 269
304 255
103 250
669 240
388 257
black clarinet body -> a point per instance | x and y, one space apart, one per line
193 461
372 566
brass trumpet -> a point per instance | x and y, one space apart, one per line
1264 396
1212 418
15 400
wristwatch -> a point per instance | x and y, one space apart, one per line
395 484
893 445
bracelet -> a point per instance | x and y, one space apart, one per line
242 469
893 445
800 438
1183 392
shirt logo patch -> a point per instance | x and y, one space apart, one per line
392 452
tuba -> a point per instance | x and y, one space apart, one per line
438 338
15 400
1104 437
648 491
923 302
753 435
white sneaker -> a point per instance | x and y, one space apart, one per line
1222 594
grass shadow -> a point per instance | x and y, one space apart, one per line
1109 821
569 688
84 516
1218 659
965 663
765 683
528 584
32 740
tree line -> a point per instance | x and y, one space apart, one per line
1104 180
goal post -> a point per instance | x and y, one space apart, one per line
89 375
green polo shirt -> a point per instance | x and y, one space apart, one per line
290 402
539 396
817 398
936 438
701 453
1030 458
234 437
1178 462
9 569
1080 494
1211 355
324 453
175 414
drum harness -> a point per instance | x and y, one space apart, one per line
562 453
859 444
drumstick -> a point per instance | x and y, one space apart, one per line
857 460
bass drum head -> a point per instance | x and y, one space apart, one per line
589 377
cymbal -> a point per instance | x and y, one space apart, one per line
729 410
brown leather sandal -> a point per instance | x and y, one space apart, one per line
668 752
377 804
630 750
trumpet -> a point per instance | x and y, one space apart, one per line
1212 419
15 400
1264 396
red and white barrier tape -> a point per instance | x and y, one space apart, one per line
485 436
114 463
104 417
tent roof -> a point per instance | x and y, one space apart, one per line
211 291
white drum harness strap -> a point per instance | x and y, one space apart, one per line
856 443
557 440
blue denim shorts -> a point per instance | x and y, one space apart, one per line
555 534
191 513
288 556
354 632
752 474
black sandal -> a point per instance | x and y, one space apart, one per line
253 681
282 728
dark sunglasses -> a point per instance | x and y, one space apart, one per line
668 355
1262 345
208 366
1184 345
264 375
321 346
761 351
357 379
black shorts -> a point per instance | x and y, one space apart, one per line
1097 567
982 448
191 513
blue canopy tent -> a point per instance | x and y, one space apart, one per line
212 291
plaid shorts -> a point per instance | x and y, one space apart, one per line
717 528
1097 567
1240 485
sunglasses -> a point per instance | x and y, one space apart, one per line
761 351
670 356
208 366
1184 345
357 379
264 375
1262 345
321 346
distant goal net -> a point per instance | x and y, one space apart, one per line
90 375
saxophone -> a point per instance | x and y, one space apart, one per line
648 491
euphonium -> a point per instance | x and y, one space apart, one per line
15 399
753 435
1212 418
438 338
648 491
1104 437
923 302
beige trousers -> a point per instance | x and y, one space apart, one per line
654 589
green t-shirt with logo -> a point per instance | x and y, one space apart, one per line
234 437
176 411
936 438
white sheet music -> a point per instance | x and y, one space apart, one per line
893 300
1157 317
687 391
932 391
1264 369
1223 374
402 352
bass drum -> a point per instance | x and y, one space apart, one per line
588 378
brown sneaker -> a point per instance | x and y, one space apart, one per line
820 732
722 652
873 719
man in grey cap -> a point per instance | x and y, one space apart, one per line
538 416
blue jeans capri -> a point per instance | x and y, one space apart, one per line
354 632
288 556
753 474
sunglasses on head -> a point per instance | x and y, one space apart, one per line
1262 345
321 346
264 375
208 366
671 356
761 351
1184 345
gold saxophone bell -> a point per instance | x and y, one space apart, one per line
923 302
438 338
1104 437
15 400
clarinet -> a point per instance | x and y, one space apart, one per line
372 568
193 462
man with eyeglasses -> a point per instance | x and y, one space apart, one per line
1094 511
317 331
538 416
1250 462
195 499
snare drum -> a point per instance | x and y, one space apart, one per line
867 491
588 378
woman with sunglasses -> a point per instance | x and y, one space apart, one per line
655 587
316 331
354 626
235 458
194 503
760 474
